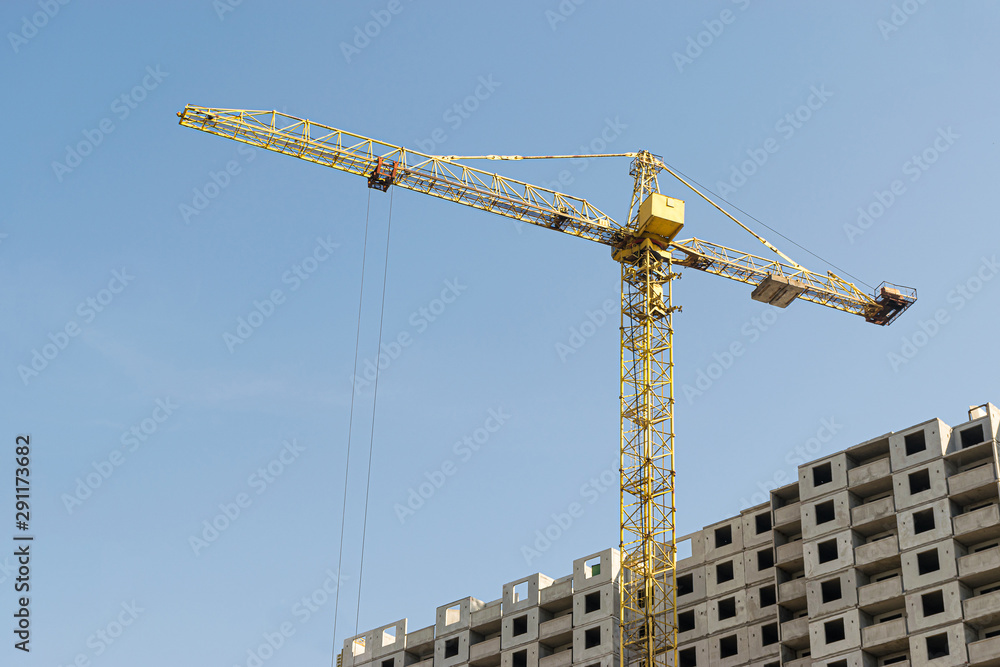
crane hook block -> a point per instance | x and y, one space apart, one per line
383 175
661 216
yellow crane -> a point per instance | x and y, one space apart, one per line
649 252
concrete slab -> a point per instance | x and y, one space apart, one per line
952 638
596 569
835 634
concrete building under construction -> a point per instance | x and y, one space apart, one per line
887 553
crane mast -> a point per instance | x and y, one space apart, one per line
647 613
649 252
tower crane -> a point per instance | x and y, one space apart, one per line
647 247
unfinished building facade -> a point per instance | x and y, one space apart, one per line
537 622
887 553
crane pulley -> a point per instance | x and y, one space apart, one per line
650 253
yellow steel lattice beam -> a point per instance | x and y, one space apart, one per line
647 615
444 178
415 171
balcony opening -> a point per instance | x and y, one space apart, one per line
972 436
358 647
831 590
768 596
450 648
728 646
838 663
825 513
685 584
920 481
885 618
520 626
933 603
520 592
769 634
937 646
822 474
687 657
928 562
914 443
763 522
765 559
723 536
592 567
834 630
685 621
453 615
724 572
591 603
895 659
520 659
727 608
827 551
389 662
923 521
592 638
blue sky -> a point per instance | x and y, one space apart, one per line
863 131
